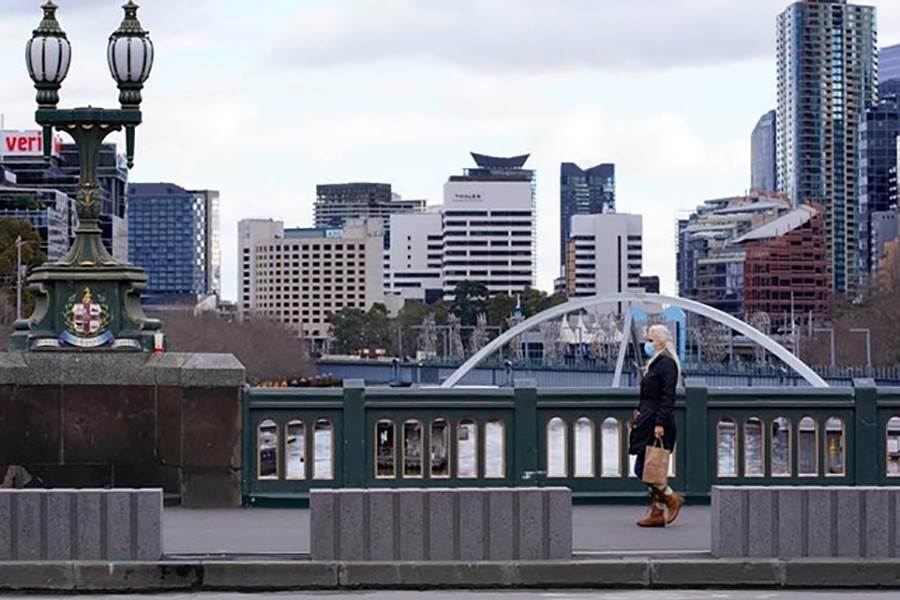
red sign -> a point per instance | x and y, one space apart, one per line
20 144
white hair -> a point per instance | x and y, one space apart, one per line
662 334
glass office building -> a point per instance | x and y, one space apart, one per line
174 235
889 63
583 192
878 131
762 154
827 72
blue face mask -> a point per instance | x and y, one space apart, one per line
649 349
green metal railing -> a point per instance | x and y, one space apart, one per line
299 439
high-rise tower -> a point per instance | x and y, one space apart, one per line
827 76
583 192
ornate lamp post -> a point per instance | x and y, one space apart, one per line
88 300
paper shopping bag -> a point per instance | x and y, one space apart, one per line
656 464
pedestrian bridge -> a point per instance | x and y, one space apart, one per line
630 300
297 439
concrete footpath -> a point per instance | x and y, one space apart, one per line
259 531
259 550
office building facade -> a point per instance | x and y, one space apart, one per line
489 226
300 277
604 254
889 63
826 77
174 236
709 266
785 273
762 154
583 192
22 153
50 212
878 130
413 265
336 203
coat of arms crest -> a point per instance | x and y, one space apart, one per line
86 320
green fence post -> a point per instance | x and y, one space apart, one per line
526 433
354 434
865 434
695 442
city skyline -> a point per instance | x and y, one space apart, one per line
266 112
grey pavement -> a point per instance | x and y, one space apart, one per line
596 529
519 595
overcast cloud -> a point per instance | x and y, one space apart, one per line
531 35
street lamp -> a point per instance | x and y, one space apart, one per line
98 296
868 333
829 330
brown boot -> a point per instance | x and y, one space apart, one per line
655 518
674 502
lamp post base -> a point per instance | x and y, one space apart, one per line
86 308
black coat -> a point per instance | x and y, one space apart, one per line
657 405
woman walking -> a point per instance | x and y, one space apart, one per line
655 420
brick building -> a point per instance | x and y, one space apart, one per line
786 268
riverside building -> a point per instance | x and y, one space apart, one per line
301 276
489 226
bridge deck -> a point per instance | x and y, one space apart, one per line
603 529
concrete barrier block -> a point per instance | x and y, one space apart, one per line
895 510
819 531
353 529
473 524
149 506
118 524
88 518
412 525
58 524
761 512
849 522
6 528
461 524
714 533
382 526
559 526
877 521
323 541
791 531
27 521
442 528
532 525
730 527
501 524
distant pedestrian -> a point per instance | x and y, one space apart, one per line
654 420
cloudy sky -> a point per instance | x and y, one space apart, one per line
263 99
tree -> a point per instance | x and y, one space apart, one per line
32 256
406 326
498 309
536 301
267 349
377 328
469 298
348 330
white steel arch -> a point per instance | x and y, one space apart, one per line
754 334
